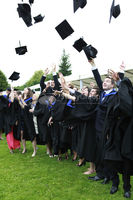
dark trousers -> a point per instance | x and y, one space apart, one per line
126 181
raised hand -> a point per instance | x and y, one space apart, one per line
92 62
122 66
54 67
46 71
114 75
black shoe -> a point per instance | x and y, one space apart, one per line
127 194
106 180
113 189
95 178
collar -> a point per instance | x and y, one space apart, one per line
108 91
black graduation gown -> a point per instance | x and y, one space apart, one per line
57 113
118 130
41 111
61 129
3 106
11 115
29 132
85 111
17 118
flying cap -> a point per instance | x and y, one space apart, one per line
38 18
21 50
114 10
24 11
31 1
79 44
79 4
90 52
64 29
14 76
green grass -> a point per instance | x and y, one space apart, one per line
42 178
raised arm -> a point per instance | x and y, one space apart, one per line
42 83
67 96
57 83
121 70
96 74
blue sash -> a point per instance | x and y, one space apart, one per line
69 103
27 99
49 107
5 96
105 95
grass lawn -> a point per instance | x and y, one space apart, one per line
42 178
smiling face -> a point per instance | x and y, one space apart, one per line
52 84
34 97
93 93
26 90
108 84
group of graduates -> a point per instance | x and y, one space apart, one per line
94 123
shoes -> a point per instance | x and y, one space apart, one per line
33 155
106 180
51 156
113 189
83 163
74 159
127 194
11 151
24 151
59 158
95 178
66 157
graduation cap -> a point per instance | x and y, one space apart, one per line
64 29
79 44
21 50
14 76
24 11
79 4
38 18
90 52
114 10
31 2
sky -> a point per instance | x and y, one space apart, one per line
113 41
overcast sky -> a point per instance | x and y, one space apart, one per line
113 41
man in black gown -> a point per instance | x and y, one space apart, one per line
106 94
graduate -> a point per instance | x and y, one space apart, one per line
10 120
28 130
118 153
1 114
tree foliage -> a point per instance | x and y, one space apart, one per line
35 79
64 66
3 81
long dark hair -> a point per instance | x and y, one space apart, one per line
29 94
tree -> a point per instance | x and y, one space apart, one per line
3 81
65 65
